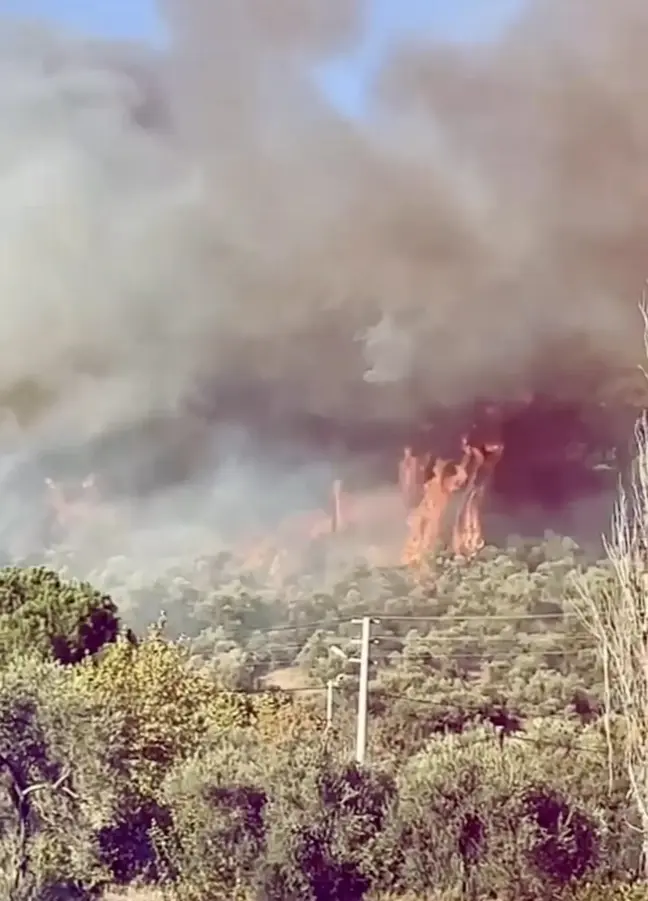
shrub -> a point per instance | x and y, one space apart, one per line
611 891
484 818
323 818
217 801
164 706
296 824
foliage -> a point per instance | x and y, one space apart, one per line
489 816
163 706
323 819
55 787
42 613
299 824
217 800
488 769
610 891
616 617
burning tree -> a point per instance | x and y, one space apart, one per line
426 520
471 477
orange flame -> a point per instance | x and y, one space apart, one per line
471 475
425 522
468 537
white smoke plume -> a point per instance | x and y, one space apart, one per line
198 222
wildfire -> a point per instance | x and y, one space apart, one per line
425 489
370 524
470 475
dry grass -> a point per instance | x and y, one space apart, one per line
139 894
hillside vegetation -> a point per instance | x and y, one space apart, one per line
162 757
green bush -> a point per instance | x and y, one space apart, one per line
163 710
217 801
517 818
295 825
225 794
163 705
323 818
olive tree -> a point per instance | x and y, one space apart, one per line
55 790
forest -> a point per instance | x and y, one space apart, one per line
173 737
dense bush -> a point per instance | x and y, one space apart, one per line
492 817
162 709
163 706
298 824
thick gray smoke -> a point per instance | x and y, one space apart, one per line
200 220
492 206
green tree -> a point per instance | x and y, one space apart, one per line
164 705
294 824
164 708
322 818
59 620
524 818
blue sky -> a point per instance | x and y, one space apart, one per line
343 80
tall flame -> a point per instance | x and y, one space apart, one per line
471 475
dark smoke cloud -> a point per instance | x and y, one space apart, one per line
201 222
491 210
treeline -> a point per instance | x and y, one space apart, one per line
125 760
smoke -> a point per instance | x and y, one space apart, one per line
491 211
199 222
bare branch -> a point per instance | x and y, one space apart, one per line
617 618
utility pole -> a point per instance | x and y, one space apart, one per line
331 684
329 703
363 689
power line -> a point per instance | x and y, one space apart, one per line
517 736
295 627
548 743
486 617
276 689
493 654
502 705
288 657
458 618
458 637
448 704
508 735
268 650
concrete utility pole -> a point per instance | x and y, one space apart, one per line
331 684
363 690
363 687
329 703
